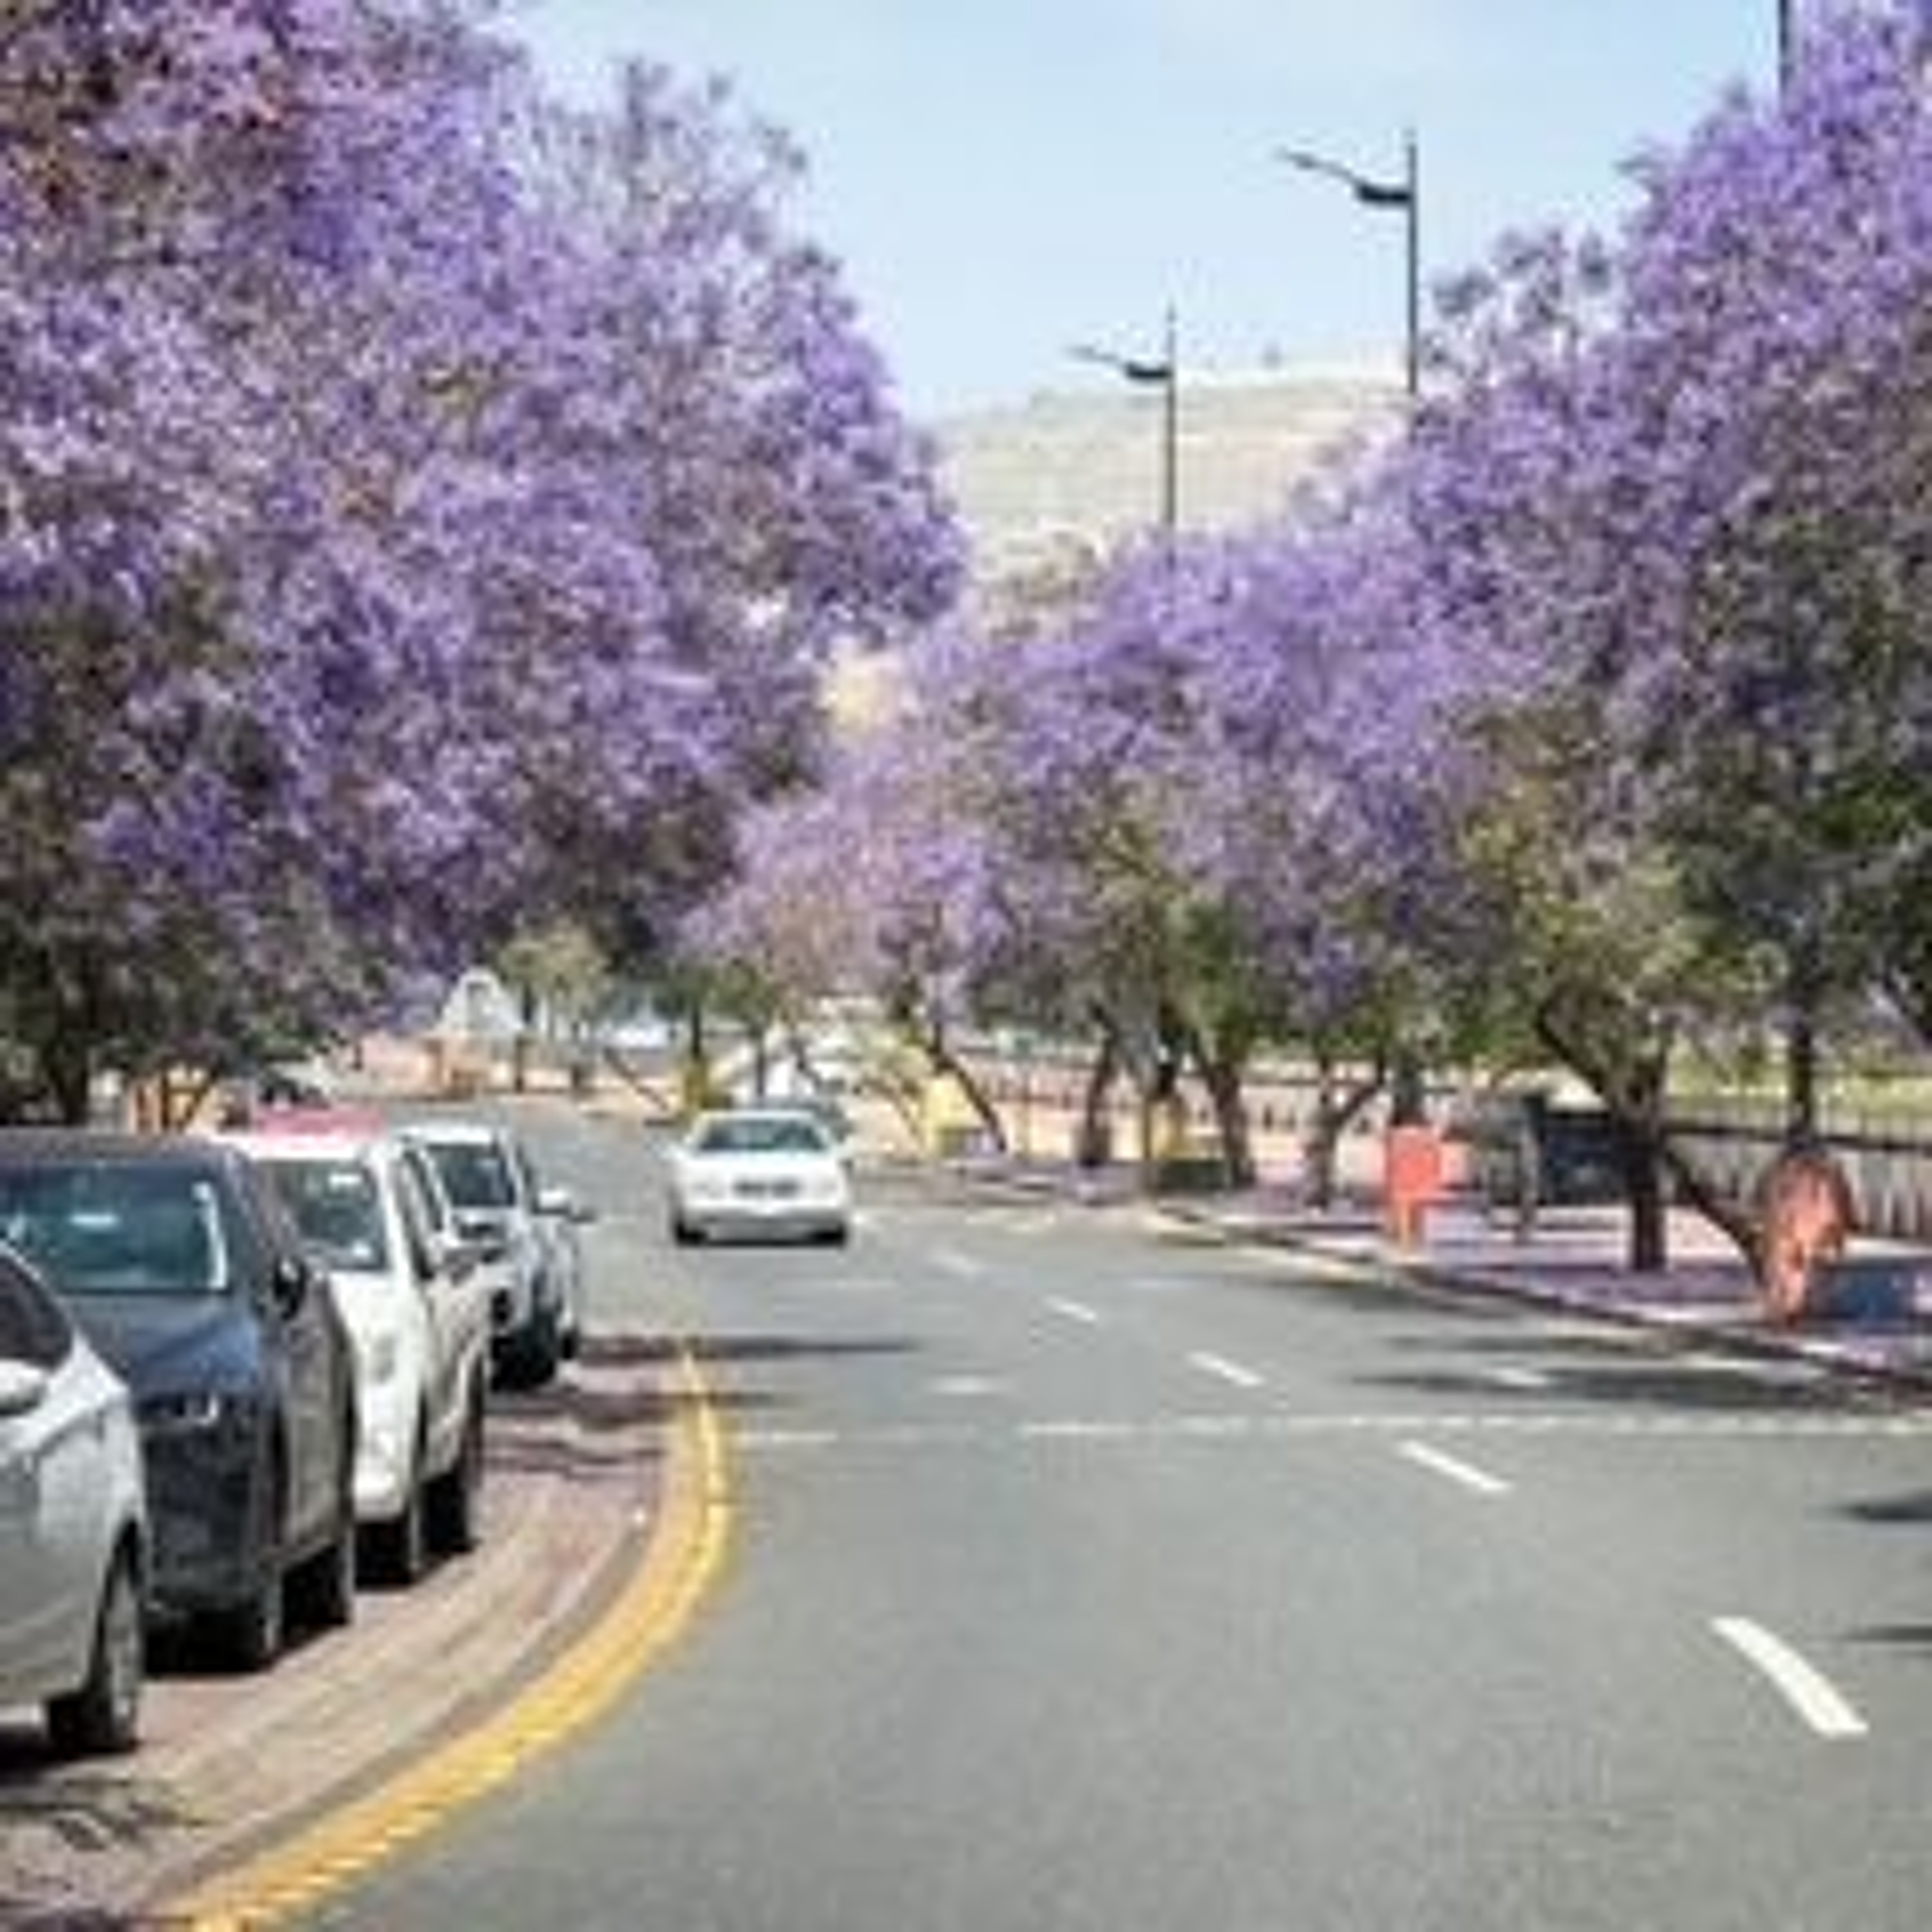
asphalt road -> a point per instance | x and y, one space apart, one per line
1084 1576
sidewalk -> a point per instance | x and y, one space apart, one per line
1574 1259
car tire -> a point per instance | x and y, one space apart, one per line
251 1633
683 1233
538 1351
328 1579
400 1546
102 1717
455 1498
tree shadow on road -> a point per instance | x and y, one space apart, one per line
1616 1369
78 1814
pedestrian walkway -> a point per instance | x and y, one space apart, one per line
1573 1258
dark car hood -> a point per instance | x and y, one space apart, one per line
161 1344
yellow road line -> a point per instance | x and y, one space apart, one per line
687 1550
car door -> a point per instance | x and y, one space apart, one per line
301 1336
52 1484
428 1274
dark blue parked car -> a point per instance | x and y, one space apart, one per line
180 1265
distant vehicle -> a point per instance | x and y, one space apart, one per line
185 1272
525 1236
773 1172
365 1203
73 1525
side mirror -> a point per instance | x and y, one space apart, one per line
563 1205
295 1275
23 1388
457 1258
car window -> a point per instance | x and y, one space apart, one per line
110 1228
762 1133
33 1327
337 1210
475 1174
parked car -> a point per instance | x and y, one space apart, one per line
179 1263
774 1172
533 1273
73 1524
368 1205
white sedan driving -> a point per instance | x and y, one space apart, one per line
769 1173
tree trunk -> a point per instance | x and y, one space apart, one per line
1093 1145
1221 1067
948 1064
1334 1114
1801 1047
67 1065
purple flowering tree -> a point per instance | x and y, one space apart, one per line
428 512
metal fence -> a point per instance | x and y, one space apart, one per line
1888 1161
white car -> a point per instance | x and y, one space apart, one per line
73 1525
774 1172
365 1203
526 1234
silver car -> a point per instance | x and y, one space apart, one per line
524 1236
74 1529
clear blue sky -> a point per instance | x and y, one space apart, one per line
1004 178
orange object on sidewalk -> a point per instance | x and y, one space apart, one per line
1411 1180
1807 1218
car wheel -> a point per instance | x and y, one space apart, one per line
681 1232
329 1578
104 1715
538 1351
401 1546
456 1497
251 1632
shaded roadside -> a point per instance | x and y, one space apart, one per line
1572 1258
230 1762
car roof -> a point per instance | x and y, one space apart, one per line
339 1143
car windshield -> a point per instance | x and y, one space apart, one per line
760 1133
336 1210
109 1227
475 1175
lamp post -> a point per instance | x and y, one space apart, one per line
1404 194
1162 372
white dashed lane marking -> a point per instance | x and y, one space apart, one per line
1224 1370
1075 1311
1465 1474
1289 1427
1819 1703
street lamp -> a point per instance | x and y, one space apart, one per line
1405 194
1164 373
